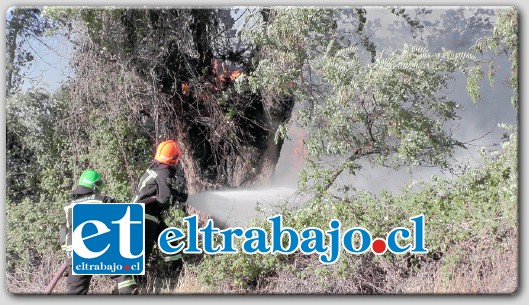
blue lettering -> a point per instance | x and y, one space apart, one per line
192 237
391 239
228 239
348 240
277 236
256 244
166 237
418 235
334 247
313 239
207 232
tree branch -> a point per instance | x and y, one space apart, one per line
360 152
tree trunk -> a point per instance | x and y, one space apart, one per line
11 45
182 55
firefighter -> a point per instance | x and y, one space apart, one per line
162 186
88 190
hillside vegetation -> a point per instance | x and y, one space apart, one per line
371 87
471 235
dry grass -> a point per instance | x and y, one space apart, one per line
189 284
170 283
32 281
493 271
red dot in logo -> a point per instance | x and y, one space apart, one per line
127 267
378 246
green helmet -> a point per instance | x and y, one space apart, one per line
92 180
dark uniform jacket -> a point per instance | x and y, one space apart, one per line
161 187
80 194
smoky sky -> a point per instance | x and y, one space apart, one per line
448 29
442 29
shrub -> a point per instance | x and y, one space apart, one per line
473 212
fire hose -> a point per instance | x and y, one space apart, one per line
56 278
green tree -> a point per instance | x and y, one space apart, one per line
172 72
387 108
504 40
38 175
25 28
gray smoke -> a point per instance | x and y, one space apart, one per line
448 29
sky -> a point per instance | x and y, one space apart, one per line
52 61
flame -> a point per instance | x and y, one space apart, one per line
185 89
299 151
235 74
292 157
215 66
224 72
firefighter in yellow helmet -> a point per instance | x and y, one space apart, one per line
162 186
88 190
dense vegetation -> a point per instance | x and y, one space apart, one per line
227 85
469 219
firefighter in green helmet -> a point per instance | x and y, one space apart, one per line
88 190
